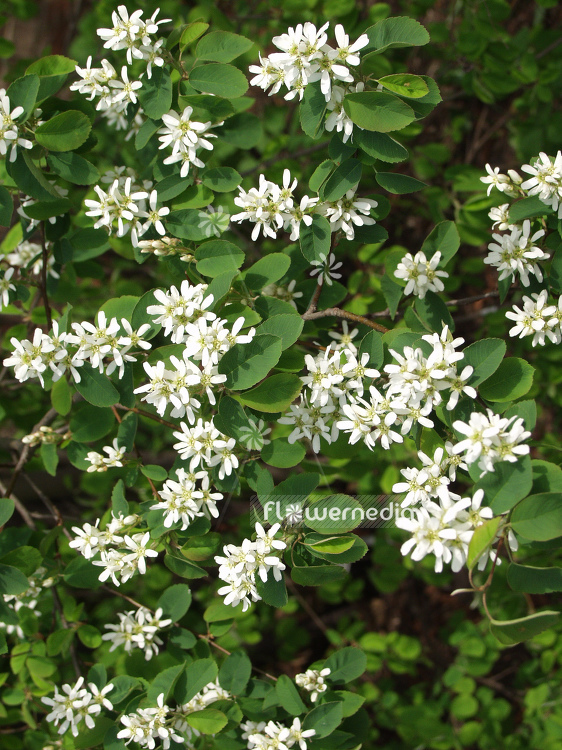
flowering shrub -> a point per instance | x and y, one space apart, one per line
185 325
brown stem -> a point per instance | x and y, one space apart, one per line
19 506
44 278
49 417
124 596
474 298
51 507
314 300
306 606
339 313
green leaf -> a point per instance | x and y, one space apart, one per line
196 676
315 239
82 574
288 696
547 477
217 256
443 238
395 32
200 548
235 672
247 364
119 504
482 540
433 311
312 109
267 270
7 506
155 95
6 207
287 327
282 454
373 346
207 721
49 456
186 225
378 110
527 208
46 209
507 484
275 394
155 472
405 84
317 575
220 286
485 357
320 175
221 179
244 130
141 316
192 32
392 293
64 132
12 581
73 168
144 134
89 423
96 388
399 184
332 545
323 719
219 79
164 682
52 65
380 146
90 636
345 178
30 179
533 580
123 685
510 632
512 379
59 641
538 517
346 665
23 93
222 46
127 431
334 514
272 592
181 567
231 418
26 559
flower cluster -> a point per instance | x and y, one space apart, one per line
204 444
313 681
121 551
99 462
239 566
286 293
185 136
537 319
545 181
421 275
137 629
147 725
433 480
334 377
47 435
76 703
29 255
444 529
183 500
413 388
10 132
490 438
272 208
95 343
270 735
305 57
509 183
114 92
123 207
516 253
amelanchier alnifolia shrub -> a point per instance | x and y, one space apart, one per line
228 356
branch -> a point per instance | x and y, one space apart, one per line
285 155
19 506
49 417
211 642
146 414
337 312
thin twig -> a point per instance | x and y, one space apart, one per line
306 606
51 507
211 642
474 298
124 596
49 417
337 312
285 155
314 299
19 506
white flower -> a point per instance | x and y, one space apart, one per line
6 287
347 212
420 274
313 681
326 268
516 254
137 629
536 319
138 544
